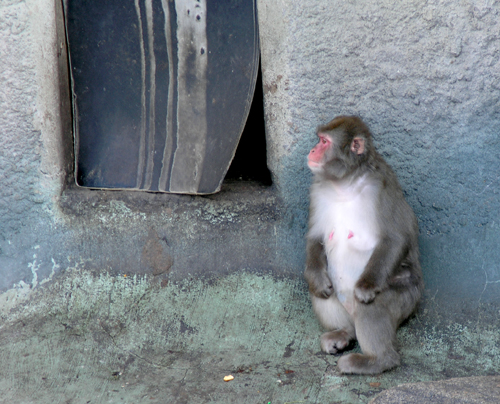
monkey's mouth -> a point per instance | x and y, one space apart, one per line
313 164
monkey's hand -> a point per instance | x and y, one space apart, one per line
365 291
319 282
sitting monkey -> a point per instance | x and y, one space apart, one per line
362 263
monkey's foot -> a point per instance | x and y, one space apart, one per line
366 364
334 341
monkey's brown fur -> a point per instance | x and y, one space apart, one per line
362 263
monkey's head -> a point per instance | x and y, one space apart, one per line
344 145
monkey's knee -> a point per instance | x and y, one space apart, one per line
335 341
367 364
332 315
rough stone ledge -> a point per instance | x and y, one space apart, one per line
470 390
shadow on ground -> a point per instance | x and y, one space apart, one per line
106 339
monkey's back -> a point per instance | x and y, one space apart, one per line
399 219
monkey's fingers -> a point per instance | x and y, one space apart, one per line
365 294
320 284
326 293
325 288
323 291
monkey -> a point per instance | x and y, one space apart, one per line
362 256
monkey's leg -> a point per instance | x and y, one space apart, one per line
333 316
376 325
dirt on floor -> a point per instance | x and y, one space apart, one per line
88 338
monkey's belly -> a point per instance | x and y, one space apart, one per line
345 266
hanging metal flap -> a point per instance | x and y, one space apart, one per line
161 90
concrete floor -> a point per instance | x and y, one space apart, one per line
97 338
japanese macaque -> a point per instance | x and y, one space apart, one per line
362 263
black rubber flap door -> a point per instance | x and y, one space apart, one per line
161 90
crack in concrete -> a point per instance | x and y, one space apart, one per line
486 283
126 350
484 189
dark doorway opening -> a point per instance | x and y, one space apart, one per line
250 160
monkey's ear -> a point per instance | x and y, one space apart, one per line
358 145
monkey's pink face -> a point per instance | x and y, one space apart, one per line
316 155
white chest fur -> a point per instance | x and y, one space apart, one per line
344 219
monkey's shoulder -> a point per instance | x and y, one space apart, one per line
383 174
393 209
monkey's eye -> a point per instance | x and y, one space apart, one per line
323 139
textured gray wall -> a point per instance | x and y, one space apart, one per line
33 157
424 75
49 227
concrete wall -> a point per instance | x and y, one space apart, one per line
34 147
425 76
49 227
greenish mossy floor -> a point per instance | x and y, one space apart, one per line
102 339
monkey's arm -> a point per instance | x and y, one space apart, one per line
316 274
386 257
